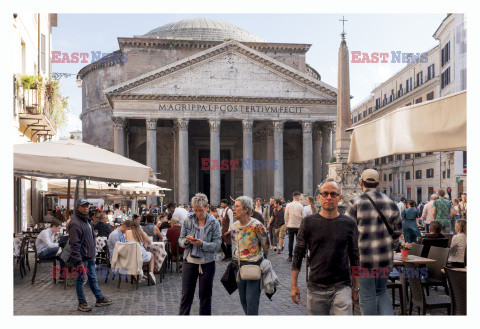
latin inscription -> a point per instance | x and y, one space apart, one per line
230 108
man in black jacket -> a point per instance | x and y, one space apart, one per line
82 242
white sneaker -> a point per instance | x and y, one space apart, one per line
152 277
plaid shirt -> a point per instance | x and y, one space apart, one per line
374 242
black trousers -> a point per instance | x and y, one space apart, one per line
292 233
190 275
227 250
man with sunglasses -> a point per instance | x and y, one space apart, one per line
332 240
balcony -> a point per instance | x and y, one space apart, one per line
33 113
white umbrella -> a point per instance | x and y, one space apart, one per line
437 125
74 159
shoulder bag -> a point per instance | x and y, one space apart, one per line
248 272
389 228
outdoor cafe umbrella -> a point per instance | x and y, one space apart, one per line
437 125
73 159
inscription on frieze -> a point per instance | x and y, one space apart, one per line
230 108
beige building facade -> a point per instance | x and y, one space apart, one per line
417 176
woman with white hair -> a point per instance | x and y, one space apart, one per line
201 237
250 243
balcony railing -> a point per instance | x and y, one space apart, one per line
33 102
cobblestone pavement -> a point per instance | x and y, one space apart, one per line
46 298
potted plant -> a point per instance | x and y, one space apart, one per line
405 249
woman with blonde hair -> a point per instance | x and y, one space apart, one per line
137 234
459 244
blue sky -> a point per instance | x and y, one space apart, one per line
365 32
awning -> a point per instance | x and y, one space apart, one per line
77 160
437 125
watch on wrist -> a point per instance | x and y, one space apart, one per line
356 289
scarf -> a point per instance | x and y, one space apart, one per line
82 216
197 251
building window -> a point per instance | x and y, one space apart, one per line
370 110
359 116
446 54
431 72
445 78
377 162
430 192
390 177
429 173
384 160
409 193
418 174
429 153
430 96
407 175
418 100
400 91
443 174
385 100
377 104
408 156
392 95
408 85
354 119
390 158
448 173
398 157
364 113
418 155
384 177
419 78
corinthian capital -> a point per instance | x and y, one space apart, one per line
327 128
278 126
118 122
247 124
151 124
307 126
182 124
214 125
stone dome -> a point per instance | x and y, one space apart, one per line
203 29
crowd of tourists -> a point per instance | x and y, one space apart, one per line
246 230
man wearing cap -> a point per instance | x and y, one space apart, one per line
375 243
82 242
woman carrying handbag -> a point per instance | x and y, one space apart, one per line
250 242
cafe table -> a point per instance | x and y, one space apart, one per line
399 261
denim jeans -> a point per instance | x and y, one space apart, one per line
190 274
446 226
91 276
336 300
292 232
50 253
249 292
373 297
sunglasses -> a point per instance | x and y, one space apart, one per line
332 194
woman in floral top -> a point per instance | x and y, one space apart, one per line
250 243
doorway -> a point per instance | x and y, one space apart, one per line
204 175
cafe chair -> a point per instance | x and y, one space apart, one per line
416 249
39 261
430 242
457 284
435 276
417 294
22 257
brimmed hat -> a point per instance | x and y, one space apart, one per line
370 176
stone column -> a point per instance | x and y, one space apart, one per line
151 151
119 135
270 156
278 151
183 194
317 157
248 156
307 158
214 158
327 148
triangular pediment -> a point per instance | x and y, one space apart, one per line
228 70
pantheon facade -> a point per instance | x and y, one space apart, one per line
213 109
